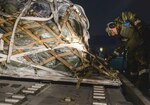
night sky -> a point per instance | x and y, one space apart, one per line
100 12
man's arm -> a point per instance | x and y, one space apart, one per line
116 52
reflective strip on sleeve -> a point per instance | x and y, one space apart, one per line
143 71
116 53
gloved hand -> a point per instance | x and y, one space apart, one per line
108 59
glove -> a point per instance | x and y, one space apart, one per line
109 58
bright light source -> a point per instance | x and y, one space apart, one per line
101 49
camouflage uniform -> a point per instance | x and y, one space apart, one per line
134 38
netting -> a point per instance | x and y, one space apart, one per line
46 37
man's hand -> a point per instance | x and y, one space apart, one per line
108 59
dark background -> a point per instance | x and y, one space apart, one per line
100 12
